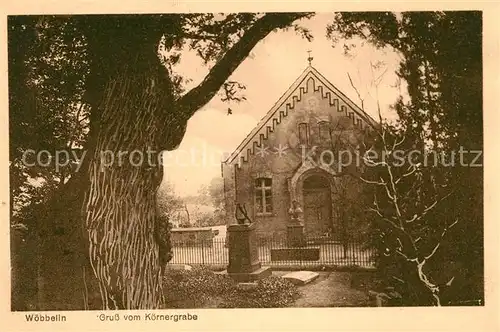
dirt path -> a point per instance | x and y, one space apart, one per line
331 289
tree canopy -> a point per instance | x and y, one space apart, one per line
441 63
51 85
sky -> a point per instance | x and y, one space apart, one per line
274 64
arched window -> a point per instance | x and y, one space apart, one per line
303 133
263 196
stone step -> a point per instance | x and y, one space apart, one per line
301 278
261 273
179 267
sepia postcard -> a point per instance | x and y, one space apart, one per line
321 164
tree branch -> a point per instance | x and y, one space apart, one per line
361 100
206 90
412 169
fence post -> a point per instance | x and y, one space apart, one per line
354 251
203 252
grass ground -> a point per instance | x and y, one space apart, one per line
330 289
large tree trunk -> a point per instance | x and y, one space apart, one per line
108 211
113 226
120 203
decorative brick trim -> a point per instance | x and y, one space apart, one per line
265 174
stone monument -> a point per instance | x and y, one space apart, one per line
297 249
244 264
295 228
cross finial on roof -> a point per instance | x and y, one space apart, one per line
310 58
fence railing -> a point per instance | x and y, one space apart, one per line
331 253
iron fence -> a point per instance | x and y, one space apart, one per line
332 253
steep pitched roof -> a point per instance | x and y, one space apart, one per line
294 93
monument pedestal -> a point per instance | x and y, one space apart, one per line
244 264
297 246
297 249
295 235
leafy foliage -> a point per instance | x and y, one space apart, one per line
163 239
215 194
441 62
270 292
47 70
168 201
196 288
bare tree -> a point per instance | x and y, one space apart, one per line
404 210
405 202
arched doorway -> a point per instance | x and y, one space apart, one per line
317 200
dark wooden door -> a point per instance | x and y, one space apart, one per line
317 211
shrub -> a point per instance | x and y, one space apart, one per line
162 237
196 288
271 292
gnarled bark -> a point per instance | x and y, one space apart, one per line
124 175
107 211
